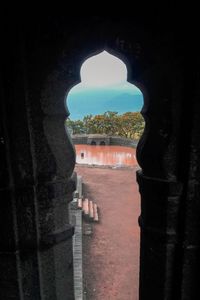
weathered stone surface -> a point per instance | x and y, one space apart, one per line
108 140
40 63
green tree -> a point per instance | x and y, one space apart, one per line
129 124
77 127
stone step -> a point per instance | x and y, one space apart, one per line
86 207
91 210
96 214
80 203
87 228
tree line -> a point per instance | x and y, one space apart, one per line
129 124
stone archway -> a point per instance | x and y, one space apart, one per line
96 139
152 159
42 66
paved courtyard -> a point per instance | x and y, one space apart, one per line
111 253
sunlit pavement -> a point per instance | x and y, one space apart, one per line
111 254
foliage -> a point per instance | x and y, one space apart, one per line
129 125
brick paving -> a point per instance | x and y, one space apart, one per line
111 253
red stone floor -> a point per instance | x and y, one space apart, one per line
111 253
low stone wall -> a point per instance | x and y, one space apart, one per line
120 141
75 217
86 139
94 139
79 139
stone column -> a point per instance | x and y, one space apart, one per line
189 256
36 186
159 185
19 247
54 191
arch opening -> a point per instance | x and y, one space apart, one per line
105 111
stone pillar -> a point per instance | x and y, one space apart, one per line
159 184
36 186
189 256
54 190
19 264
160 201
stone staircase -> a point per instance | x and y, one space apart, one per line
89 209
80 209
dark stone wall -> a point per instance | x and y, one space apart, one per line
40 63
36 186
